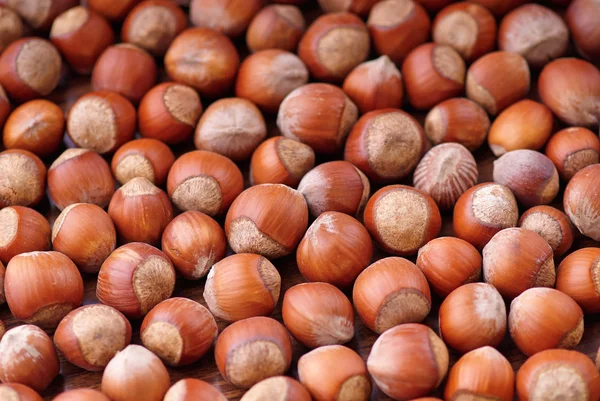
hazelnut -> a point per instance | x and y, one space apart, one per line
529 174
386 145
408 361
433 73
483 211
268 76
318 314
347 377
2 298
203 59
449 263
473 316
80 176
500 7
319 115
267 219
445 173
194 242
333 45
194 390
86 234
481 373
276 27
169 112
101 121
572 149
524 125
204 181
457 120
11 27
18 392
42 287
279 387
280 160
252 350
497 80
335 249
148 158
81 35
230 17
232 127
179 331
135 374
467 27
581 17
90 336
23 230
242 286
29 68
577 276
390 292
558 374
135 278
535 32
523 248
580 201
113 11
397 27
571 88
126 69
40 14
5 108
82 394
28 357
552 225
152 25
402 219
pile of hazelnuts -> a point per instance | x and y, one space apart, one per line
374 150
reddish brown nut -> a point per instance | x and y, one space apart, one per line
397 27
390 292
135 278
90 336
319 115
445 173
267 219
40 14
577 277
80 176
276 27
4 106
232 127
81 35
582 20
402 219
500 7
530 175
21 72
23 230
333 45
101 121
524 125
126 69
152 25
194 242
518 247
28 357
552 225
252 350
280 387
179 331
194 390
335 249
111 10
19 392
267 77
169 112
42 287
86 234
573 149
280 160
203 59
230 17
497 80
81 394
204 181
140 211
148 158
335 186
433 73
23 178
469 28
449 263
535 32
37 126
580 202
11 27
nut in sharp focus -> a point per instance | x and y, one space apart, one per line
23 178
577 276
146 157
581 201
552 225
23 230
573 149
193 390
280 387
281 160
